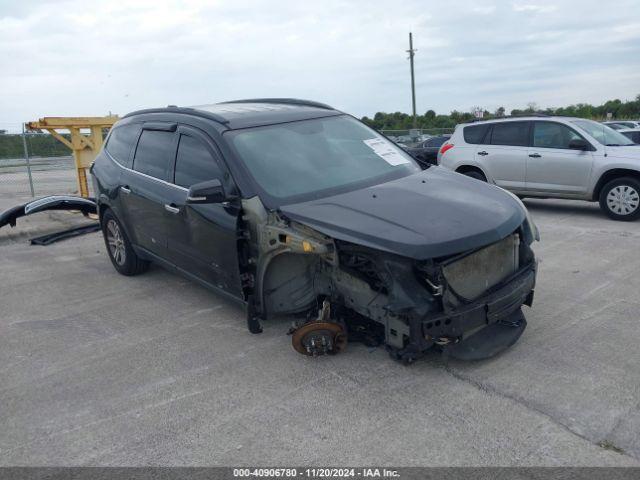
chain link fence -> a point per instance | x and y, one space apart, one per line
416 135
34 164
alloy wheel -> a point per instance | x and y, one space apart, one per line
116 242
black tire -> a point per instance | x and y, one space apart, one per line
475 174
620 199
122 256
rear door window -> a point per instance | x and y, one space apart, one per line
154 153
515 134
475 134
195 163
121 142
553 135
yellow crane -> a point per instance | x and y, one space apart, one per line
85 146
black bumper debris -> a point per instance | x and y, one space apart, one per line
72 232
53 202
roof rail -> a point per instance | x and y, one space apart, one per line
285 101
519 115
187 110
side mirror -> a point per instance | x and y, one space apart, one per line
579 144
210 191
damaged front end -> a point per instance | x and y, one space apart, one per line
467 305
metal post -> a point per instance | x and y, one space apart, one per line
26 158
413 82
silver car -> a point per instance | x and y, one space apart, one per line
559 157
620 124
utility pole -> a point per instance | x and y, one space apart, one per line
411 53
26 159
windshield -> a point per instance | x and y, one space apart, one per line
602 133
319 157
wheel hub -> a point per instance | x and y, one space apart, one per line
320 336
116 242
623 200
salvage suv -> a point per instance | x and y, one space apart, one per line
551 156
294 208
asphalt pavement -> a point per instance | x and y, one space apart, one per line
101 369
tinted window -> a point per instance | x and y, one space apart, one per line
154 152
510 133
120 143
475 134
552 135
194 163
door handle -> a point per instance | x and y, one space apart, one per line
125 189
171 208
535 155
483 153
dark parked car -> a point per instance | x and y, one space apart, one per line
426 153
632 134
293 208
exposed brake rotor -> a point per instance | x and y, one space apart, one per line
320 336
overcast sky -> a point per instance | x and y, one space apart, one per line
90 58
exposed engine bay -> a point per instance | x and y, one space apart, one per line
467 305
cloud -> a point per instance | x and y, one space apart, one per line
535 8
60 58
483 9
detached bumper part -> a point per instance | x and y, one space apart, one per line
64 234
53 202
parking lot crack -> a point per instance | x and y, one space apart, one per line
491 390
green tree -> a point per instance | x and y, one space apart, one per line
402 121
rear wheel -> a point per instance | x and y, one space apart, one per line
121 253
620 199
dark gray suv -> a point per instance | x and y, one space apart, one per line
294 208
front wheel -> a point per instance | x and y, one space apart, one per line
121 253
620 199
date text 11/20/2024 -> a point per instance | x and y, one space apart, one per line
316 472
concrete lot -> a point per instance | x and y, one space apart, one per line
100 369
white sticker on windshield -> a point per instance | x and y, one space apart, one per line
385 151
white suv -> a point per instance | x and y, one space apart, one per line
545 156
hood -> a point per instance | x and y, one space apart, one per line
630 151
426 215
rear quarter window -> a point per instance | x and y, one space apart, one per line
514 134
121 142
475 134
